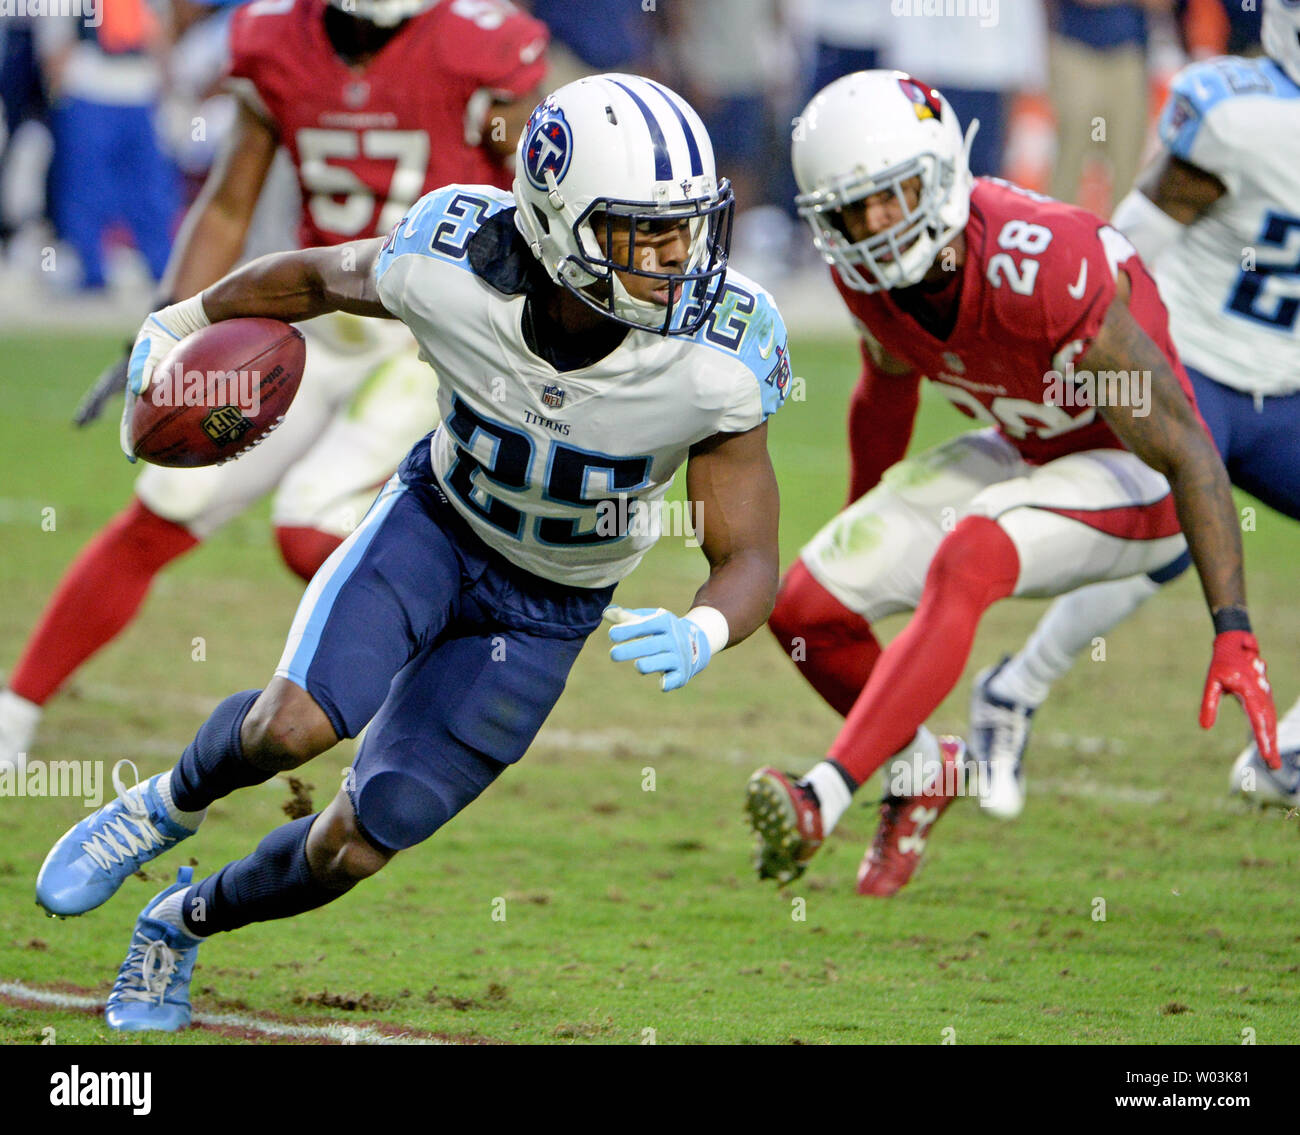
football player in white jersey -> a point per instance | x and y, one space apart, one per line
1218 216
590 341
353 91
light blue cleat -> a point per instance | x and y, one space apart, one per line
152 991
85 868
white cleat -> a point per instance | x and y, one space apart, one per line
999 733
1258 783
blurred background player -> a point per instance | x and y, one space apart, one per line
104 84
986 289
1099 88
1227 180
375 105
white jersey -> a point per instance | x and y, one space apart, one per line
1232 279
563 471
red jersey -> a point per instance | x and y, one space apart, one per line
367 142
1038 279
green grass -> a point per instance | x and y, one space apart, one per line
627 909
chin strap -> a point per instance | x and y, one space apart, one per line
972 128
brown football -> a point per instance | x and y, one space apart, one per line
218 393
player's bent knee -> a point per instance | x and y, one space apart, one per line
398 811
977 559
285 728
338 851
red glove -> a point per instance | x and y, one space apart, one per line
1238 668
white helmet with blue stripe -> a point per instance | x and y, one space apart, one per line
623 149
1280 34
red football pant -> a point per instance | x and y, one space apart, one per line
976 565
305 549
97 597
106 584
832 646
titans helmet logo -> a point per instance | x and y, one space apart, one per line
549 146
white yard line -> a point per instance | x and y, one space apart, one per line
339 1034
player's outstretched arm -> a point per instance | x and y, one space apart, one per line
212 235
733 490
289 286
210 239
1167 434
292 286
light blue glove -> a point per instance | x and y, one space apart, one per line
151 345
162 330
660 643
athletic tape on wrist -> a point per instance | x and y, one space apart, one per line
714 625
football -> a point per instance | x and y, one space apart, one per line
218 393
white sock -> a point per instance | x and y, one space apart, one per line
904 774
18 720
1069 627
832 793
172 911
189 820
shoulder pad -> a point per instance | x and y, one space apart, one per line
746 324
440 224
1199 88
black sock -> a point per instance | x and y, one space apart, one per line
274 882
213 764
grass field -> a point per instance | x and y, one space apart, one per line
627 909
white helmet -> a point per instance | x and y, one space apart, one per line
620 146
868 133
382 13
1280 32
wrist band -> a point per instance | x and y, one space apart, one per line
714 625
187 316
1231 619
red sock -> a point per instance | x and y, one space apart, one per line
305 549
974 567
832 646
97 597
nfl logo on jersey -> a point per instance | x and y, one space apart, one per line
553 396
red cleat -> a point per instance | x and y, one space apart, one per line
788 822
905 823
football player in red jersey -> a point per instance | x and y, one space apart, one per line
377 102
1039 320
